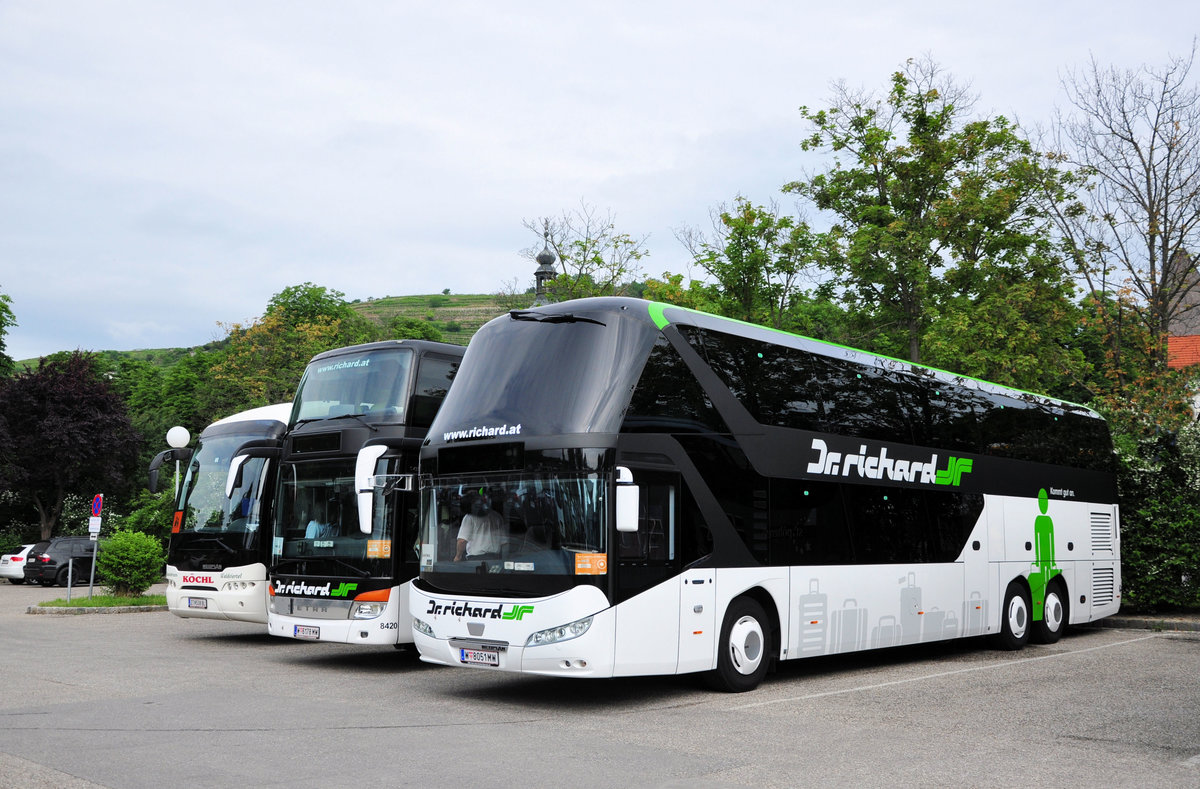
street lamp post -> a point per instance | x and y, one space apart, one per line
178 438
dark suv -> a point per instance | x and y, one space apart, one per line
48 562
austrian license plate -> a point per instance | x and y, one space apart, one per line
306 631
197 602
479 657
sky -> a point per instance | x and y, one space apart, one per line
166 168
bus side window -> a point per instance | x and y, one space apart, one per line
653 541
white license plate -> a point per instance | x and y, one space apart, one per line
306 631
197 602
479 657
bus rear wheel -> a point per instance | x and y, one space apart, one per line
744 647
1014 618
1054 616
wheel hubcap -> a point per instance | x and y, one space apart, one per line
1018 616
1053 615
746 645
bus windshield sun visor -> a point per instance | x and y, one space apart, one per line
543 317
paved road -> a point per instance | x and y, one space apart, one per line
149 700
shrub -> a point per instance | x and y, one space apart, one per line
130 563
1160 521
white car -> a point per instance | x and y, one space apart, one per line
12 565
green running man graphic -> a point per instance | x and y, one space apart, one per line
1044 568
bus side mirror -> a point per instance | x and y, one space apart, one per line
364 484
627 501
162 457
233 479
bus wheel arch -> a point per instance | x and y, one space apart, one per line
1016 616
744 646
1055 614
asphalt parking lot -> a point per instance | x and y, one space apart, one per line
150 700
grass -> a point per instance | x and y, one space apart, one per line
105 601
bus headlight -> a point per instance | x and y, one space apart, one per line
368 610
560 633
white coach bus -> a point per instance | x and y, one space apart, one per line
617 487
220 544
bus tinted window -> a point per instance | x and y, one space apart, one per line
668 398
867 401
434 376
808 525
901 525
776 384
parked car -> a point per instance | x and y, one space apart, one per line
12 565
48 562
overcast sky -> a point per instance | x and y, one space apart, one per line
165 166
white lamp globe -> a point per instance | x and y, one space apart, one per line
178 437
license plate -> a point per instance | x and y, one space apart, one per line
306 631
479 657
197 602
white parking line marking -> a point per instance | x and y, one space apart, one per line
939 674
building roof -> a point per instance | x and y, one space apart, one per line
1183 351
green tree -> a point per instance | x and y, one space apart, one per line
404 328
64 430
261 362
936 218
151 513
755 257
7 320
596 259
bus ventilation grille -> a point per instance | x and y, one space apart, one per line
1102 531
1103 586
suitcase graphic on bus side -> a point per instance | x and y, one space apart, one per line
975 615
814 619
932 624
848 628
950 626
887 633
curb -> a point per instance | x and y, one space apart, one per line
1148 623
119 609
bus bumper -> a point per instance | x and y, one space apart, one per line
392 626
239 601
587 655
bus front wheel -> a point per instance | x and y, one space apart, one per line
1054 616
1015 618
742 652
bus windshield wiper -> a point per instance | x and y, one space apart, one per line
217 540
361 573
279 565
551 317
361 421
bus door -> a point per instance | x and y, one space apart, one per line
646 584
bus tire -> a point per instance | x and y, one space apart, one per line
1014 618
743 652
1054 615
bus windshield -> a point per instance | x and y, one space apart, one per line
538 529
373 384
211 523
317 531
540 377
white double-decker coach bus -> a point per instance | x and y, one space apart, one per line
617 487
220 538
